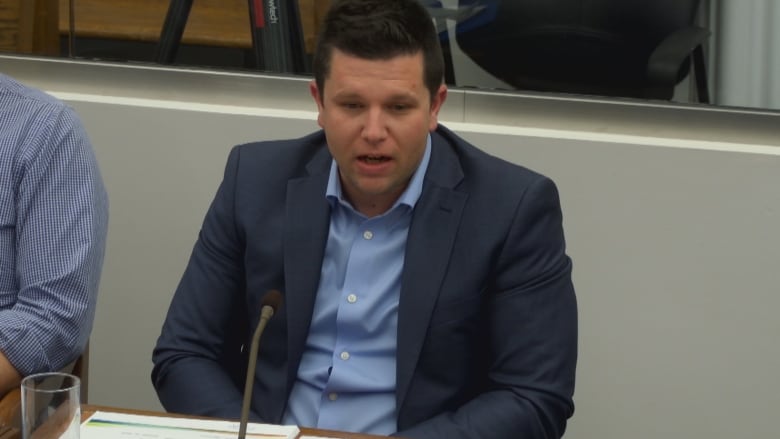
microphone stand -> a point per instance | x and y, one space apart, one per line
271 302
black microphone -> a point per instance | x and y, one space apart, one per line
270 303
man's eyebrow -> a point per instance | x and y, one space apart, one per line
395 97
403 97
346 95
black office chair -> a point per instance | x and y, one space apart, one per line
629 48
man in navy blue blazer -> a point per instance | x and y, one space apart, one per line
427 292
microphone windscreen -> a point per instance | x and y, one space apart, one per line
272 298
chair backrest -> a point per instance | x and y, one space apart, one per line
81 370
642 19
578 46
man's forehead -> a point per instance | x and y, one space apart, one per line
337 53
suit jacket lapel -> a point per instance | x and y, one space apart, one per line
305 235
428 246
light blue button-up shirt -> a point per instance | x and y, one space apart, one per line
346 379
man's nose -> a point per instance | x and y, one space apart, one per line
374 126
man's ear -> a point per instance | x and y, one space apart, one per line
436 103
315 93
317 96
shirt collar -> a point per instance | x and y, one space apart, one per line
410 195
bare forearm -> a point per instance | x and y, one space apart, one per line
9 376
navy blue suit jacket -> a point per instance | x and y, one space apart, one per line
487 319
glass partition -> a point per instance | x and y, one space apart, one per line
740 55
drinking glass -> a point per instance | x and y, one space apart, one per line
51 406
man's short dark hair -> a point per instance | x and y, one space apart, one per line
379 30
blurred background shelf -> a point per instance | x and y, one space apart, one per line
217 31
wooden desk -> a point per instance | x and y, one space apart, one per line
222 23
88 409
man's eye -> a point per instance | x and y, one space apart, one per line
399 107
351 105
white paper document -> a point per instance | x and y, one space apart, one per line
111 425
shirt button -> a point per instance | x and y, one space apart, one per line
352 298
368 234
333 396
345 355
